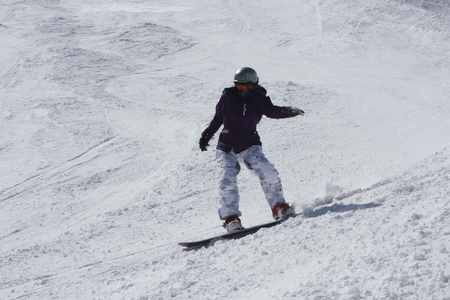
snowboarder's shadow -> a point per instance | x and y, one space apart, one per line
339 208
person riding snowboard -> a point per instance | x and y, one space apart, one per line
239 110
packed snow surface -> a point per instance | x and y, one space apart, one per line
102 105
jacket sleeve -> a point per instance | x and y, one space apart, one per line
273 111
216 122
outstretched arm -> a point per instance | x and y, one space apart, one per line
279 112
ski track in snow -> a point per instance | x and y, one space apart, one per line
102 105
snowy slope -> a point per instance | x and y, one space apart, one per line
101 108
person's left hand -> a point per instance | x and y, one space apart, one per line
294 111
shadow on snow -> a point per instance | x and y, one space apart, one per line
340 208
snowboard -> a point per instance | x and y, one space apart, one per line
230 236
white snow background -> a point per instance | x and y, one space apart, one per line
102 106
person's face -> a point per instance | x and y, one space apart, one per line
244 88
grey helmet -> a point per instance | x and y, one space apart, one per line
246 75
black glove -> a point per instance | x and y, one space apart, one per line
203 143
293 111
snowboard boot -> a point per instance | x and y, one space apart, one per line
233 224
282 211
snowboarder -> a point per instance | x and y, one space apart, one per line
239 110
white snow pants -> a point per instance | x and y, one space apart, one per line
229 168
